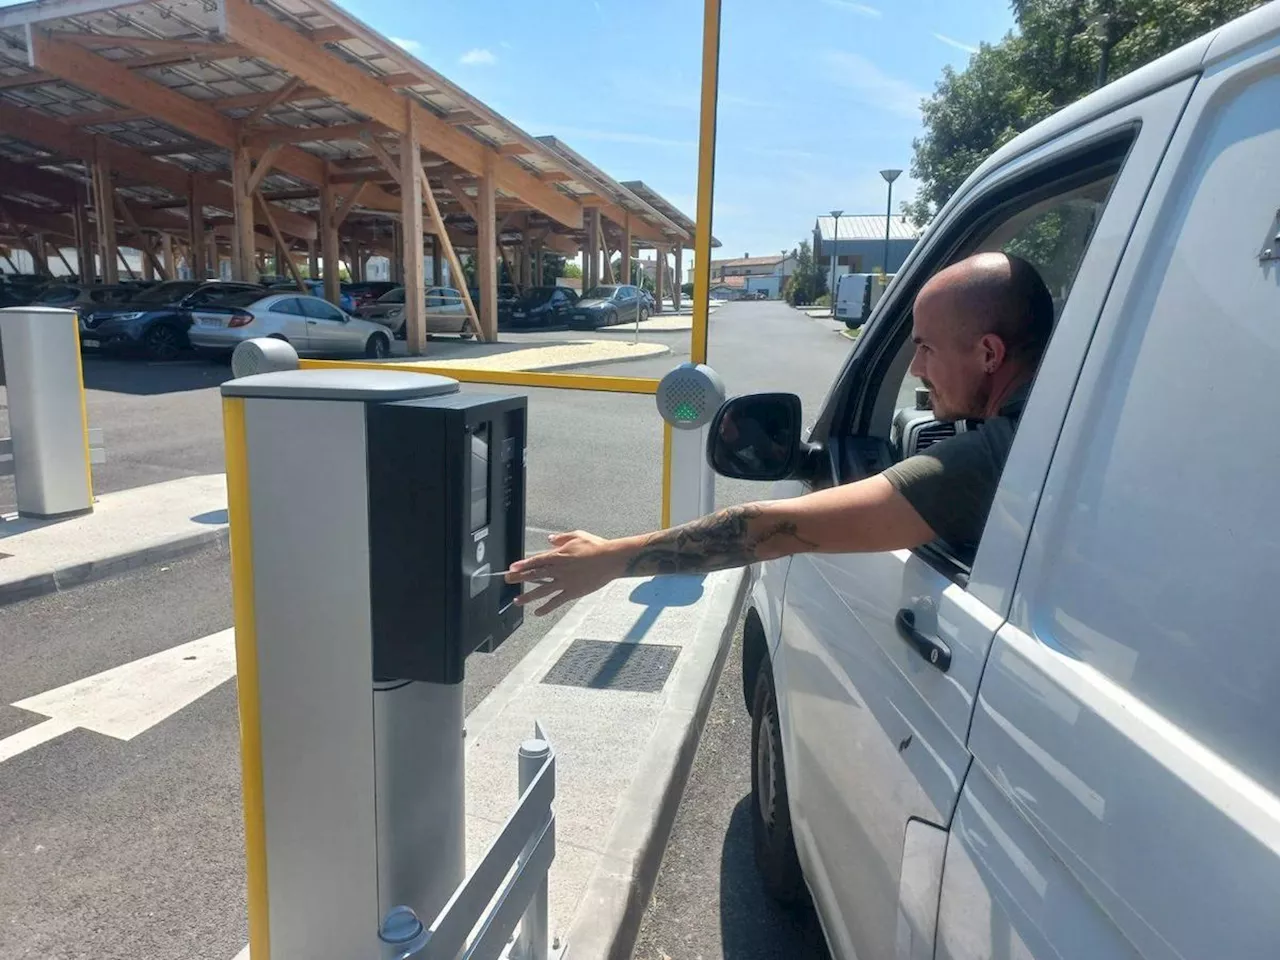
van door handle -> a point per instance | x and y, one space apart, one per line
931 648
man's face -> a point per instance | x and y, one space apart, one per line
953 362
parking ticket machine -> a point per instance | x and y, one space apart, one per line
372 513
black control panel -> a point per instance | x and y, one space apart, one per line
446 515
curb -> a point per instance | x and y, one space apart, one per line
607 921
576 365
71 575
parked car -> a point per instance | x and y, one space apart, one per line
539 307
79 297
155 321
312 325
345 300
604 306
365 292
648 300
446 312
1077 718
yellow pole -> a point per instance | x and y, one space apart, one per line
666 475
84 410
242 601
706 180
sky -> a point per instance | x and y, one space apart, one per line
816 96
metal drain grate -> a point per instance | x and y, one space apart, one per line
605 665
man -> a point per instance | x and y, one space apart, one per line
979 329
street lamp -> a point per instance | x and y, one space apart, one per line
889 177
835 248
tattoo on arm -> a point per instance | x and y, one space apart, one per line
731 538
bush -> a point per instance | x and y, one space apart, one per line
823 301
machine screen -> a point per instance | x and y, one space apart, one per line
480 477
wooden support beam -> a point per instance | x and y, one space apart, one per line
57 248
389 163
263 166
103 206
460 195
149 254
133 165
626 250
592 248
31 79
347 202
444 242
125 263
33 249
411 199
282 94
195 225
606 258
195 49
486 253
513 149
285 47
677 280
400 80
265 209
243 247
555 176
84 238
167 257
329 244
265 136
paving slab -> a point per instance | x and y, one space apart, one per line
622 755
538 355
127 529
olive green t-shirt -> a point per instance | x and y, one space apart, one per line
953 482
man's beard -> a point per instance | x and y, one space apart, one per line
971 408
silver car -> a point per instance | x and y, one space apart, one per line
446 313
315 327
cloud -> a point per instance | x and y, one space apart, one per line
872 86
955 43
413 46
478 57
861 9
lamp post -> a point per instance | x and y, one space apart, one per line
835 248
889 177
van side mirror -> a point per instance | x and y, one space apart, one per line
757 437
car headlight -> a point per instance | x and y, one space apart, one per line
127 316
396 312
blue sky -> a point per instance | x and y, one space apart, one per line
816 96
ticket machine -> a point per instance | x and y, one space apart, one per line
372 513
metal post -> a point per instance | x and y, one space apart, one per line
889 177
835 252
531 944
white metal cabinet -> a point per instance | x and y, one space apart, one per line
874 734
1128 709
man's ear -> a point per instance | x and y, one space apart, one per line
993 352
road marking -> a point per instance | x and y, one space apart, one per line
128 700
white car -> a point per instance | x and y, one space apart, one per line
1063 745
446 312
315 327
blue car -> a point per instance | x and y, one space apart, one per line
155 321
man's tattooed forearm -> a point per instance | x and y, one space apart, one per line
730 538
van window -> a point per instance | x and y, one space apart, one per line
1161 517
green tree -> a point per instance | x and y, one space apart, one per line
807 283
638 276
553 267
1060 51
572 271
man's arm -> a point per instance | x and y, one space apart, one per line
866 516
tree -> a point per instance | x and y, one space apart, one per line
573 271
638 276
1061 50
554 267
807 282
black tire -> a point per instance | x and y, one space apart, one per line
773 843
644 314
377 347
611 319
162 343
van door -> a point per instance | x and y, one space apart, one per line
881 654
1127 720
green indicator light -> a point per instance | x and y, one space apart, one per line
686 411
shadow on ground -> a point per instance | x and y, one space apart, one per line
144 378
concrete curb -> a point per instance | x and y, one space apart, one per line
608 918
71 575
600 363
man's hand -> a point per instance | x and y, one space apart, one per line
577 564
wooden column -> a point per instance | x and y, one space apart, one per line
535 252
329 242
660 268
200 261
586 267
593 246
148 272
415 304
104 207
626 251
437 265
526 263
313 261
487 252
84 238
677 280
396 265
166 256
243 253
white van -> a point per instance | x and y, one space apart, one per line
1066 746
851 296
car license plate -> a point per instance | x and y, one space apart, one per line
90 343
518 315
210 321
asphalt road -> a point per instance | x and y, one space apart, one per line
134 849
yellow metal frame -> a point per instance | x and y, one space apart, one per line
84 409
242 596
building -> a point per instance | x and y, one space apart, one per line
729 288
860 246
758 273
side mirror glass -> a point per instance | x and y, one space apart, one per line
756 437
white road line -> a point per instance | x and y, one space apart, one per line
130 699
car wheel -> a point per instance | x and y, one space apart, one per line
611 319
378 347
162 342
774 845
644 314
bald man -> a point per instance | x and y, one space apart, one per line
979 329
